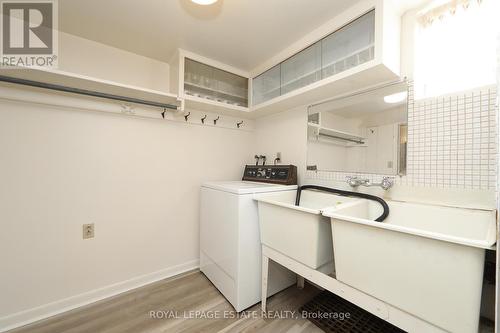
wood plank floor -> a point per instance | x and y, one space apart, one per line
181 295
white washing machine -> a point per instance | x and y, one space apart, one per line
230 249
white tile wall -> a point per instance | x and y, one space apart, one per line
452 142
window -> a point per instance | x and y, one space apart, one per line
455 47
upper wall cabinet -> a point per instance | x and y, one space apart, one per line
206 85
346 48
349 47
361 49
211 83
356 49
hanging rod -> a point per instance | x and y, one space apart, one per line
360 142
85 92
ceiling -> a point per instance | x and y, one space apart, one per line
241 33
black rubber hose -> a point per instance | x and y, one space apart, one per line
381 201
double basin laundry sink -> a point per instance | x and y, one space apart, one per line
423 259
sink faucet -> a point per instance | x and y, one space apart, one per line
354 181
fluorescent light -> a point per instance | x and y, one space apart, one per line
395 98
204 2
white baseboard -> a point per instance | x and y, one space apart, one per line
51 309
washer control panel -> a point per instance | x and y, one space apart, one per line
277 174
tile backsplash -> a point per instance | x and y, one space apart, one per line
452 142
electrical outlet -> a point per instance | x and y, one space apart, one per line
88 231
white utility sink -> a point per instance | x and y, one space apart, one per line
426 260
300 232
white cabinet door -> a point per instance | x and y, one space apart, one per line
214 84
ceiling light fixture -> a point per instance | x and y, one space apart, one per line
204 2
395 98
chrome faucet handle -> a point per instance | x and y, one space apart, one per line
387 183
352 181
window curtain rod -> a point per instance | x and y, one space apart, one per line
84 92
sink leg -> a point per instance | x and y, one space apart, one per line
300 282
265 265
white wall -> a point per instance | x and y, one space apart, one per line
86 57
408 24
326 155
284 132
138 180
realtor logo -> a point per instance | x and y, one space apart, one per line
29 33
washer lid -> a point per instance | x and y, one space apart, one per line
245 187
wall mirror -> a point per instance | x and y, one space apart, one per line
365 132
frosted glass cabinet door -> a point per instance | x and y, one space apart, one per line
267 85
214 84
349 46
301 69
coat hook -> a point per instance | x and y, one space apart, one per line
238 124
203 119
215 120
186 116
163 113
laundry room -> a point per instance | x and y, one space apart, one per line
249 166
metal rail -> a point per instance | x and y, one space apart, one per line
85 92
360 142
